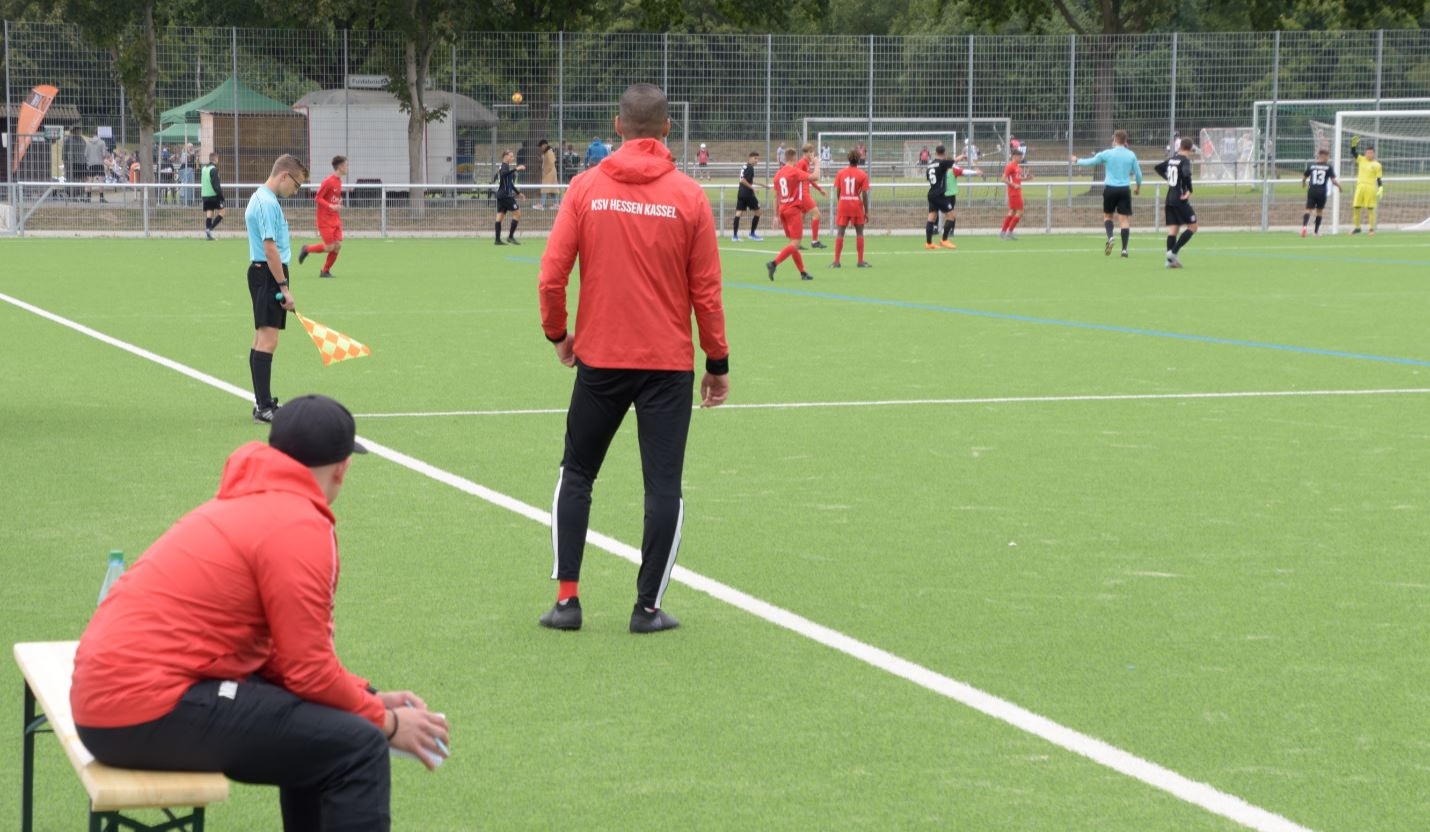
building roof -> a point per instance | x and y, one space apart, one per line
468 111
58 113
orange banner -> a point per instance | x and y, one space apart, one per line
32 115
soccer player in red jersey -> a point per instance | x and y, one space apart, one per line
852 185
789 189
330 217
1013 176
808 204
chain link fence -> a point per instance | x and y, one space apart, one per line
247 95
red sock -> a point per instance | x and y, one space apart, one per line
1014 223
316 248
784 252
567 590
332 258
1007 223
813 231
798 260
859 244
838 248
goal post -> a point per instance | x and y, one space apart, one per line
885 151
1401 139
982 137
1281 128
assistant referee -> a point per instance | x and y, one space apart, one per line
269 251
645 237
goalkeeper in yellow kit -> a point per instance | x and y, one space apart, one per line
1369 188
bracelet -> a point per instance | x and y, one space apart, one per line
282 283
395 724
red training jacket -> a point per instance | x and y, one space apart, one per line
242 584
645 237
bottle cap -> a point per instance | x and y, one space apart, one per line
116 555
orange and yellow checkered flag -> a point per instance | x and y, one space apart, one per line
334 345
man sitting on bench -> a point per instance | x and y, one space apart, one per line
215 652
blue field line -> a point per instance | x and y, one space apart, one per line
1127 330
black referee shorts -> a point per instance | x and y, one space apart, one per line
1117 201
267 309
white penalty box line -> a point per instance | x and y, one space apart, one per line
1164 779
1127 397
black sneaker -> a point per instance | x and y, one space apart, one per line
865 264
1124 254
817 244
770 267
563 615
651 621
1107 249
512 241
805 276
836 265
325 274
264 415
499 242
302 255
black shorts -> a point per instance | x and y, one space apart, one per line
747 201
1315 200
213 203
267 309
941 204
506 203
1181 213
1117 201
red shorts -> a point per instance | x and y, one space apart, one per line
793 221
330 232
1015 202
808 204
851 214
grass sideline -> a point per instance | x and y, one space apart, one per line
1233 588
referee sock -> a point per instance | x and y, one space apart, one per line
498 230
929 229
1171 244
1108 225
1183 240
737 226
208 223
1318 223
755 224
218 218
1126 232
260 366
512 233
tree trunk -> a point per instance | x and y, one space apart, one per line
143 99
1104 89
418 57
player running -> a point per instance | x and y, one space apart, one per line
1320 175
507 195
1119 168
808 205
330 217
852 185
1369 185
748 200
789 189
1180 213
939 199
1013 177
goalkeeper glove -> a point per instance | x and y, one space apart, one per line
1355 145
1380 192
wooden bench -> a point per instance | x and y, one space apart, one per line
48 668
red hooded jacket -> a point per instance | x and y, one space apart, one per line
646 240
242 584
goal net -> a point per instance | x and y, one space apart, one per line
893 145
884 153
1226 154
1287 128
1401 141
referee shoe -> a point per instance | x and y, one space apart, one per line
563 615
651 621
264 415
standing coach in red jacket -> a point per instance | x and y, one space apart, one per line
215 652
645 237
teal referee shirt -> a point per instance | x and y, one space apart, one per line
1119 167
265 221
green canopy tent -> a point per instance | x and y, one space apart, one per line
178 134
231 96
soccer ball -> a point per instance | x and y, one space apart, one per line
516 98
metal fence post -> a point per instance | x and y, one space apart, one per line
561 100
969 135
1172 118
769 98
1072 107
144 205
10 140
237 156
665 63
1271 128
382 209
1048 211
871 102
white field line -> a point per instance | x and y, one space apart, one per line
1128 397
1012 248
1199 794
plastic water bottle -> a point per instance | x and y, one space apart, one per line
116 568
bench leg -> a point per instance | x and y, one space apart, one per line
27 776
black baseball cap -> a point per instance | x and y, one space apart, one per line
315 430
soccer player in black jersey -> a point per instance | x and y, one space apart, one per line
747 200
507 195
1180 213
1321 176
940 202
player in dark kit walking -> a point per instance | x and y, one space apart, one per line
1180 213
507 195
268 255
1320 175
748 200
645 237
940 202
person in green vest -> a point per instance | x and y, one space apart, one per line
212 191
